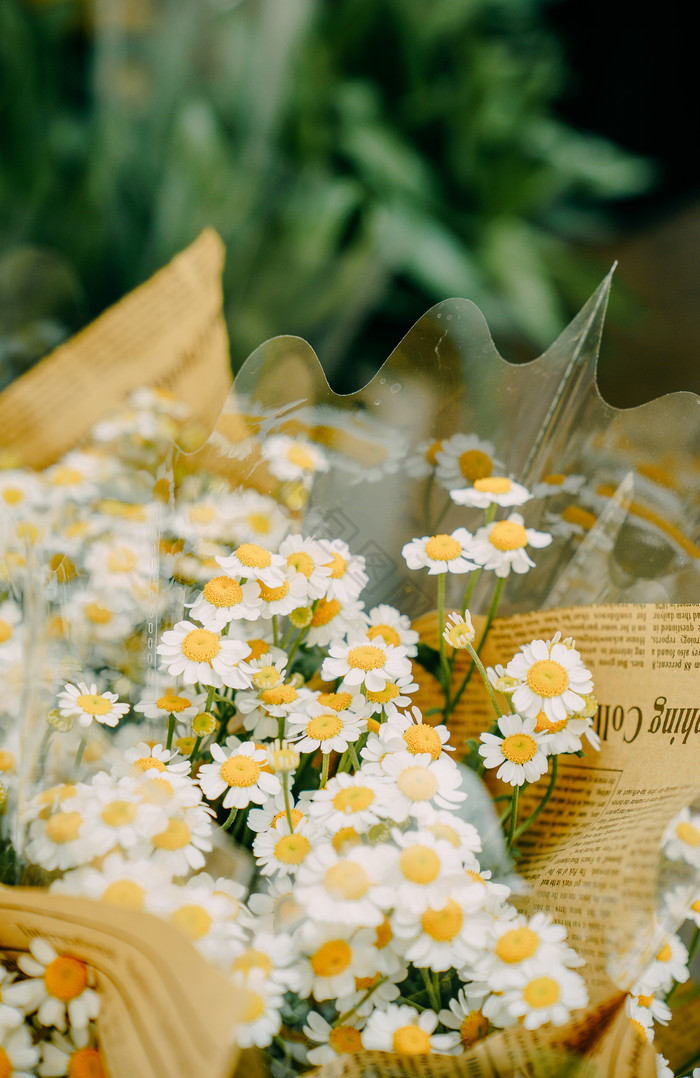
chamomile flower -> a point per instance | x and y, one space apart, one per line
558 484
239 775
333 1041
519 754
70 1055
464 458
293 458
401 1029
10 1017
334 956
459 630
448 825
290 594
203 915
500 546
201 656
445 936
426 872
384 991
309 558
365 662
126 883
551 678
119 563
495 490
333 620
18 1056
514 941
85 704
252 562
393 627
326 729
348 577
224 599
184 704
265 817
681 840
62 839
145 757
263 1000
441 553
537 994
355 801
393 696
640 1017
414 782
117 816
418 736
58 988
258 518
353 889
668 965
187 836
279 851
465 1015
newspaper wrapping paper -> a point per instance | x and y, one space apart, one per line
169 333
151 982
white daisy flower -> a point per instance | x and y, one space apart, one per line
448 825
258 518
519 755
225 599
263 1000
326 729
119 563
656 1009
537 994
18 1056
203 915
117 816
418 736
277 910
393 627
250 561
352 889
558 484
125 883
640 1017
61 840
172 791
348 578
10 1017
464 458
333 620
309 558
501 545
274 952
265 817
383 992
187 836
333 957
393 696
85 704
347 801
58 989
496 490
513 941
279 851
441 553
365 662
290 594
668 965
465 1015
459 630
293 458
414 782
423 460
333 1041
449 935
681 839
663 1070
426 873
145 757
550 678
19 490
92 615
240 775
401 1029
201 656
70 1055
184 704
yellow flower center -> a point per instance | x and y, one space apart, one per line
86 1063
517 944
323 727
346 880
173 703
119 813
5 631
266 677
202 514
251 959
541 992
473 1028
417 783
193 920
201 646
296 454
259 522
63 476
93 704
292 849
98 615
473 464
240 771
353 799
279 694
345 1039
363 983
544 726
547 678
384 934
443 830
366 657
325 611
432 452
421 737
8 760
686 833
475 876
373 725
459 635
574 514
554 480
507 535
302 562
443 548
223 591
12 495
148 763
121 560
419 864
696 906
387 632
383 696
496 484
63 827
185 745
175 837
65 978
331 959
411 1041
254 1006
125 893
273 595
519 748
336 701
253 556
258 648
296 814
665 954
345 839
645 1001
443 924
203 724
156 791
337 565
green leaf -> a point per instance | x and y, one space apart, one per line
429 658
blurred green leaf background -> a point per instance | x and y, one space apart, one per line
362 159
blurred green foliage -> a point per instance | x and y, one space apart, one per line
362 159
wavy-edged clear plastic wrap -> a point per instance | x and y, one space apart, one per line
142 583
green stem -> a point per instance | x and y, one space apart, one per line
495 600
476 661
44 748
287 805
692 951
353 757
433 996
325 769
195 749
469 590
79 756
275 631
211 693
302 633
513 816
548 793
444 668
342 1019
231 817
171 731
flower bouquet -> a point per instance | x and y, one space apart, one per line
380 704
